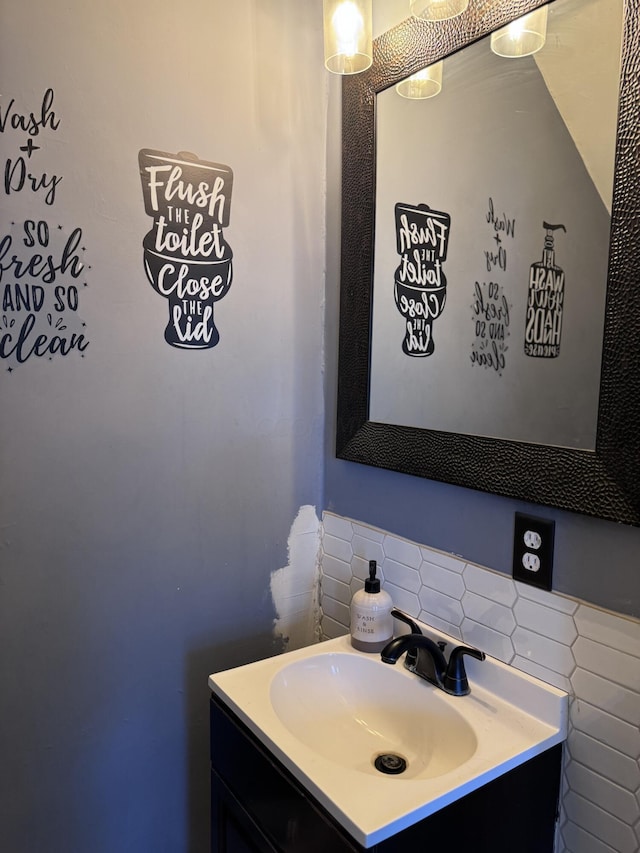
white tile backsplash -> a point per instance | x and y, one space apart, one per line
592 654
402 551
404 600
541 672
337 569
368 532
488 639
338 548
367 549
441 605
616 700
402 575
331 628
444 580
445 561
336 589
606 728
551 623
487 612
608 629
336 610
600 823
360 568
334 525
440 624
576 839
551 600
491 585
611 664
611 797
606 761
549 653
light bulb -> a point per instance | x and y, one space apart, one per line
347 35
522 37
426 83
348 25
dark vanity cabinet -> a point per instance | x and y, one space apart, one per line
258 806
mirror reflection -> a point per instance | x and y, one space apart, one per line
493 200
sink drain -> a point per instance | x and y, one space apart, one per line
390 762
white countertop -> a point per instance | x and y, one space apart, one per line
513 715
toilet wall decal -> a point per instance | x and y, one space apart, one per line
186 258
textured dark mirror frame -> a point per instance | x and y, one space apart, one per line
604 483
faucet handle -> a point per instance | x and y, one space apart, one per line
412 654
398 614
455 680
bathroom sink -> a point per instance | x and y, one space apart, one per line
329 712
353 711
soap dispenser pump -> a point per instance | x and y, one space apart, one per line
371 620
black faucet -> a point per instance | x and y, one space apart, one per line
426 659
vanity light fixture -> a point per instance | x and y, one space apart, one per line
522 37
347 36
425 83
437 10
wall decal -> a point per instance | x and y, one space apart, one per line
545 302
19 175
186 258
42 267
41 277
422 238
490 308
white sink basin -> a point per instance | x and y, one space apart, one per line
350 710
327 711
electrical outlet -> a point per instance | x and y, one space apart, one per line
533 550
531 562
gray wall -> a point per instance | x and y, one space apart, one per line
595 560
148 492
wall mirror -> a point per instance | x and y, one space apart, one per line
491 258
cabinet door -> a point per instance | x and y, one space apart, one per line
232 829
275 803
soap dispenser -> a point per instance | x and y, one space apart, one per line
371 620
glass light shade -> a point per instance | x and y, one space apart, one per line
522 37
426 83
437 10
347 36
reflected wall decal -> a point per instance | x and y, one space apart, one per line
422 239
490 308
490 313
545 302
186 257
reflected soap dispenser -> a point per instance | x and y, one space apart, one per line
545 302
371 620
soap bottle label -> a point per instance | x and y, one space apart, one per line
370 627
371 621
